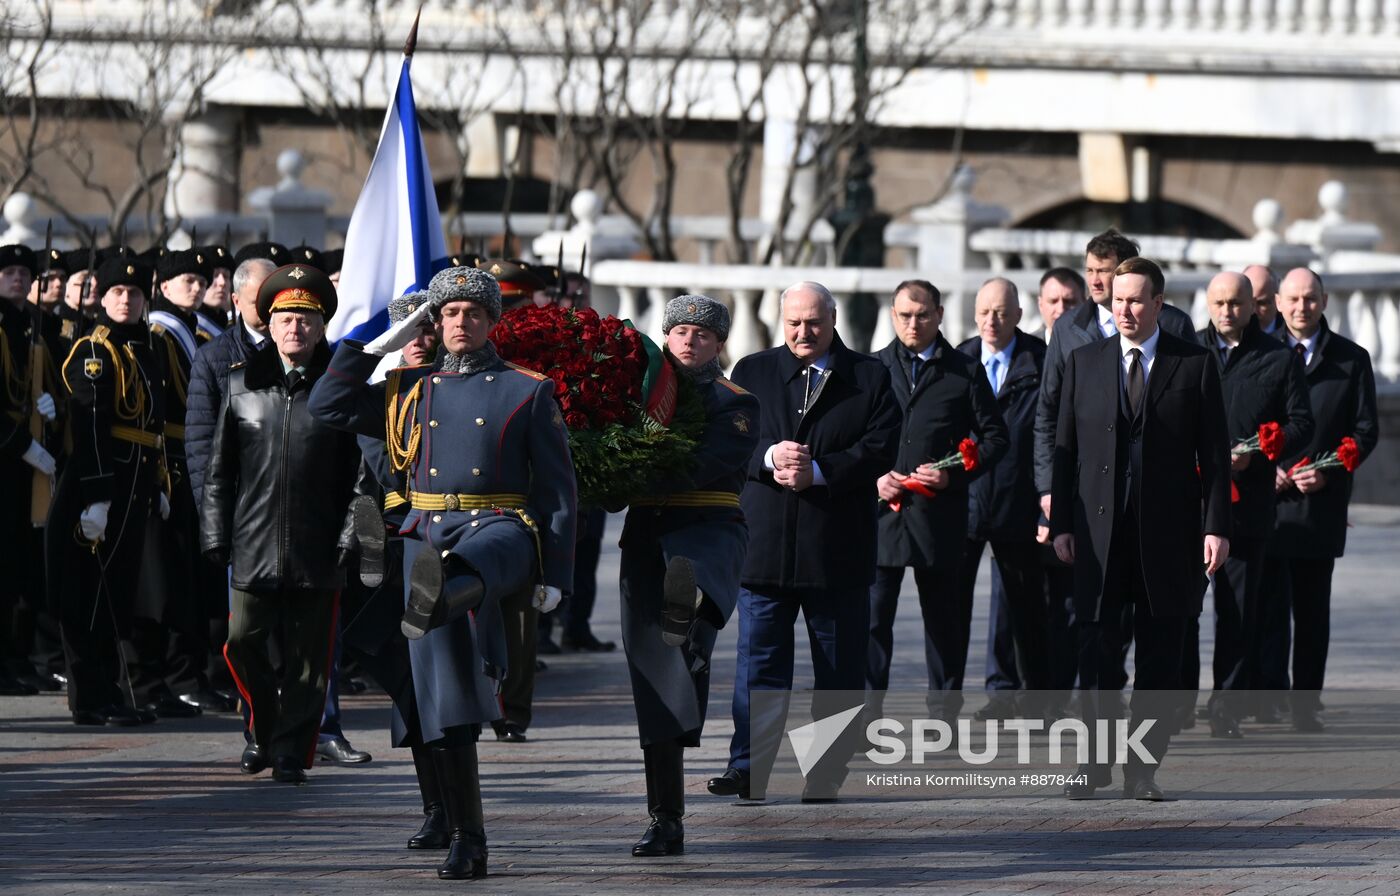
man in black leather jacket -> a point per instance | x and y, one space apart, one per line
275 498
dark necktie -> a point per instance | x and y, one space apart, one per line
1224 355
1134 380
293 380
916 366
1301 351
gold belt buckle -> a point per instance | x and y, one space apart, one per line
450 502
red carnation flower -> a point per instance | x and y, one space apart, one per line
970 456
1349 454
1271 440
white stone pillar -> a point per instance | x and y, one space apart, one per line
204 177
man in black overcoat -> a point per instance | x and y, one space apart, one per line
826 431
944 398
1140 415
1312 511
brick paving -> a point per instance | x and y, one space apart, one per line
163 809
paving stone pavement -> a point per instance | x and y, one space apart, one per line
164 810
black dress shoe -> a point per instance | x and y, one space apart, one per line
466 858
112 714
511 733
170 707
586 643
541 665
339 751
545 646
1268 715
253 760
1224 725
42 682
1307 721
663 837
371 534
1092 778
145 716
1143 788
734 782
351 686
996 709
434 834
210 700
288 770
13 687
681 597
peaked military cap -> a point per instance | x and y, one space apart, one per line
185 261
22 256
273 252
297 287
515 277
124 270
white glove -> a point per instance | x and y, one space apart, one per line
93 520
400 334
164 506
547 597
39 459
44 405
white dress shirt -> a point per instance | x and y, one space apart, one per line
1106 324
1149 354
1308 345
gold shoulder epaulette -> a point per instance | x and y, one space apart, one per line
737 390
100 333
527 371
158 329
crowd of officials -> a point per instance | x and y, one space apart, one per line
209 510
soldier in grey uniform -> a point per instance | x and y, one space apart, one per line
480 448
683 547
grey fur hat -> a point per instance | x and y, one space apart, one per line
406 304
702 311
466 285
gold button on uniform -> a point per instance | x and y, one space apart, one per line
476 471
437 517
436 380
490 378
476 523
476 512
480 422
432 423
432 471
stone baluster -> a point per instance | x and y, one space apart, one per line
1362 326
1183 14
1154 14
629 305
22 221
655 314
745 330
1260 16
1105 13
1388 326
1032 13
1208 14
1000 16
296 214
1234 15
1339 19
1367 19
1077 13
1286 14
1390 17
844 303
1314 16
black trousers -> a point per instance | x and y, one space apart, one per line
947 615
1022 579
1157 661
1237 635
1275 626
521 626
1308 582
285 705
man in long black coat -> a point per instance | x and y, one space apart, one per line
944 397
1312 511
1262 383
826 431
1139 415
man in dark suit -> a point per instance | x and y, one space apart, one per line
1312 512
1140 414
826 432
1262 383
944 396
1004 506
1263 283
1091 322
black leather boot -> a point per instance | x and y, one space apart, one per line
434 834
441 589
665 768
461 793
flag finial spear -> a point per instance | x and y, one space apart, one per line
412 42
